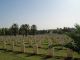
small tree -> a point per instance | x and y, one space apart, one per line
75 44
24 29
6 31
14 29
27 29
0 31
33 29
3 31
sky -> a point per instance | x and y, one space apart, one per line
46 14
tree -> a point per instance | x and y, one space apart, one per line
77 28
14 29
27 29
24 29
33 29
2 31
75 44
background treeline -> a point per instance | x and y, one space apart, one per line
26 29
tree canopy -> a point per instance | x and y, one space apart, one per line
75 44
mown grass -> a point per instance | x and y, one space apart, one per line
7 55
20 56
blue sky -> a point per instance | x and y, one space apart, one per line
46 14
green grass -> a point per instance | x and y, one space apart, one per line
5 55
8 56
15 56
44 51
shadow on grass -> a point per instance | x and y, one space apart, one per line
76 58
32 54
46 57
17 52
70 58
43 57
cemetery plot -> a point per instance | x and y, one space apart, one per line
47 45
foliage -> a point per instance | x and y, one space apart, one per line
75 44
14 29
24 29
33 29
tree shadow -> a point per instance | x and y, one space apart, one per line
30 54
76 58
46 57
70 58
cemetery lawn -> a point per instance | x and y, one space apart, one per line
4 55
14 56
59 51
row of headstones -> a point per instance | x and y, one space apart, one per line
61 38
35 48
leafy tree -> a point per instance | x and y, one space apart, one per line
2 31
75 44
77 29
14 29
6 31
24 29
33 29
27 29
21 30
